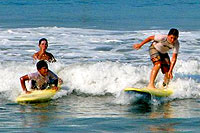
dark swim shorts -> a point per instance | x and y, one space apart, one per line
157 57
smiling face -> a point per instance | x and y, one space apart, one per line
171 39
43 45
43 71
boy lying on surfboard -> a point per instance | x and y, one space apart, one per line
159 55
41 79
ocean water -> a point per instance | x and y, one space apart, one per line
92 42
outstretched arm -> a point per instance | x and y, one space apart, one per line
138 46
172 64
22 80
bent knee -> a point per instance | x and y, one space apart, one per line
157 64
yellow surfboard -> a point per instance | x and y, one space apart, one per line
154 92
36 96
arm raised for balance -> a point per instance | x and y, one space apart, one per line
138 46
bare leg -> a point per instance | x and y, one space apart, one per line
166 77
166 80
154 73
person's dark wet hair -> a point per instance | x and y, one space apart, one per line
43 39
41 64
174 32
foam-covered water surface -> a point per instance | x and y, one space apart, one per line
96 62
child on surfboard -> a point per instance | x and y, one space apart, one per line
42 54
158 51
41 79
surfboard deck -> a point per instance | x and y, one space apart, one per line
155 92
36 96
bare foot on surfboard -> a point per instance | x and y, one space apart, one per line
54 88
151 87
27 92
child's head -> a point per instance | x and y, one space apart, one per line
174 32
172 35
43 39
42 67
41 64
43 43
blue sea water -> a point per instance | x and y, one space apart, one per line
92 42
101 14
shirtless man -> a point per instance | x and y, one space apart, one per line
42 54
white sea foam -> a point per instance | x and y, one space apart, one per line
100 79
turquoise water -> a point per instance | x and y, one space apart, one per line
95 115
118 14
92 42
